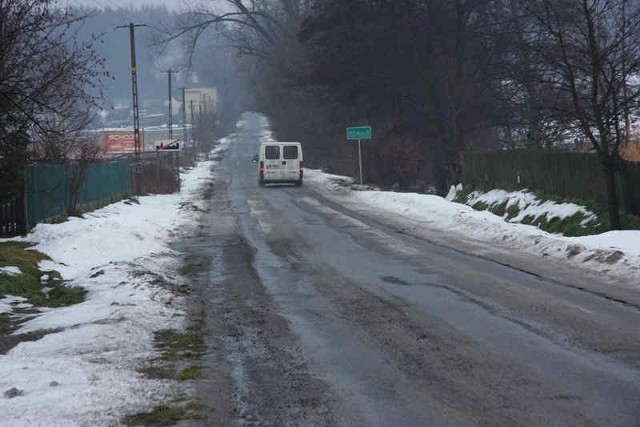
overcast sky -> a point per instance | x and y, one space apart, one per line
171 4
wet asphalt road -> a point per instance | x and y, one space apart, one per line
317 315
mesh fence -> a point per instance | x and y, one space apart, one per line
50 188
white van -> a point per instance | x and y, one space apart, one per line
280 162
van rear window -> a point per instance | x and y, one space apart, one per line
290 152
272 152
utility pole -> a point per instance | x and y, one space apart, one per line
169 73
176 158
193 137
136 114
184 115
203 101
200 122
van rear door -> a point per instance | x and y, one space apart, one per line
272 162
290 162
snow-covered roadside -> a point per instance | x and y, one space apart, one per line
616 253
86 372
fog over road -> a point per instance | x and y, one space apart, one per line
317 315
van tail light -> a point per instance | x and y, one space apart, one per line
261 167
301 165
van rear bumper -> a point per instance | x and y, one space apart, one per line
266 179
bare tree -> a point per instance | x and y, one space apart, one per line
263 36
49 81
83 154
592 51
509 30
253 27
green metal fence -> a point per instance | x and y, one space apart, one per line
563 174
49 188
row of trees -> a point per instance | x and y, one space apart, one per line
49 86
438 77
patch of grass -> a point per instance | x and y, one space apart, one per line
571 226
23 284
183 289
629 221
190 373
462 196
180 352
17 254
159 372
161 415
512 211
480 206
28 284
62 296
499 209
6 325
194 406
167 371
190 269
176 345
182 398
528 220
207 193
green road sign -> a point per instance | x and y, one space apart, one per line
361 132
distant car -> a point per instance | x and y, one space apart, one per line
256 158
280 162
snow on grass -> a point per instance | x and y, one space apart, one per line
9 302
528 205
86 372
11 271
